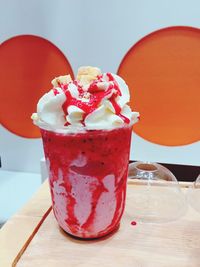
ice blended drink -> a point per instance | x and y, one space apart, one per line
86 128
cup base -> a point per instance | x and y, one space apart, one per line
98 236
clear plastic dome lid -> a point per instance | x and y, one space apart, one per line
157 196
194 194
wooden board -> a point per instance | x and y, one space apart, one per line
19 229
170 244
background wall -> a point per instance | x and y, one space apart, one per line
95 33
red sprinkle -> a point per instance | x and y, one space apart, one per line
55 91
99 77
64 86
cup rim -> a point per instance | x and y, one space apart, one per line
77 129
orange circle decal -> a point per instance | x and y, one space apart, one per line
163 74
28 64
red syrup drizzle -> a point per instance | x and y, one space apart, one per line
95 97
125 119
71 220
119 201
133 223
115 85
96 194
110 77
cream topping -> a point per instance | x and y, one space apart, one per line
93 101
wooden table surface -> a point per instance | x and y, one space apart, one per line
15 233
24 240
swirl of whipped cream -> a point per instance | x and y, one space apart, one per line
93 101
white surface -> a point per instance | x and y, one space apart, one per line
20 154
16 188
44 172
95 33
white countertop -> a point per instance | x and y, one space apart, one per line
16 188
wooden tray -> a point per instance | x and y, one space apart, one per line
143 245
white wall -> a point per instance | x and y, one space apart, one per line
98 33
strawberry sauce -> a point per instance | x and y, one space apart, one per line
87 176
95 97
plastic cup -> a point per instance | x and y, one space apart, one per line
88 177
193 194
157 196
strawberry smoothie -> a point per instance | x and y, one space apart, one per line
87 174
86 127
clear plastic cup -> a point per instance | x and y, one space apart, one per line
194 194
88 177
157 196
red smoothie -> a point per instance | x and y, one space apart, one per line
88 175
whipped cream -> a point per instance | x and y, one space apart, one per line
93 101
